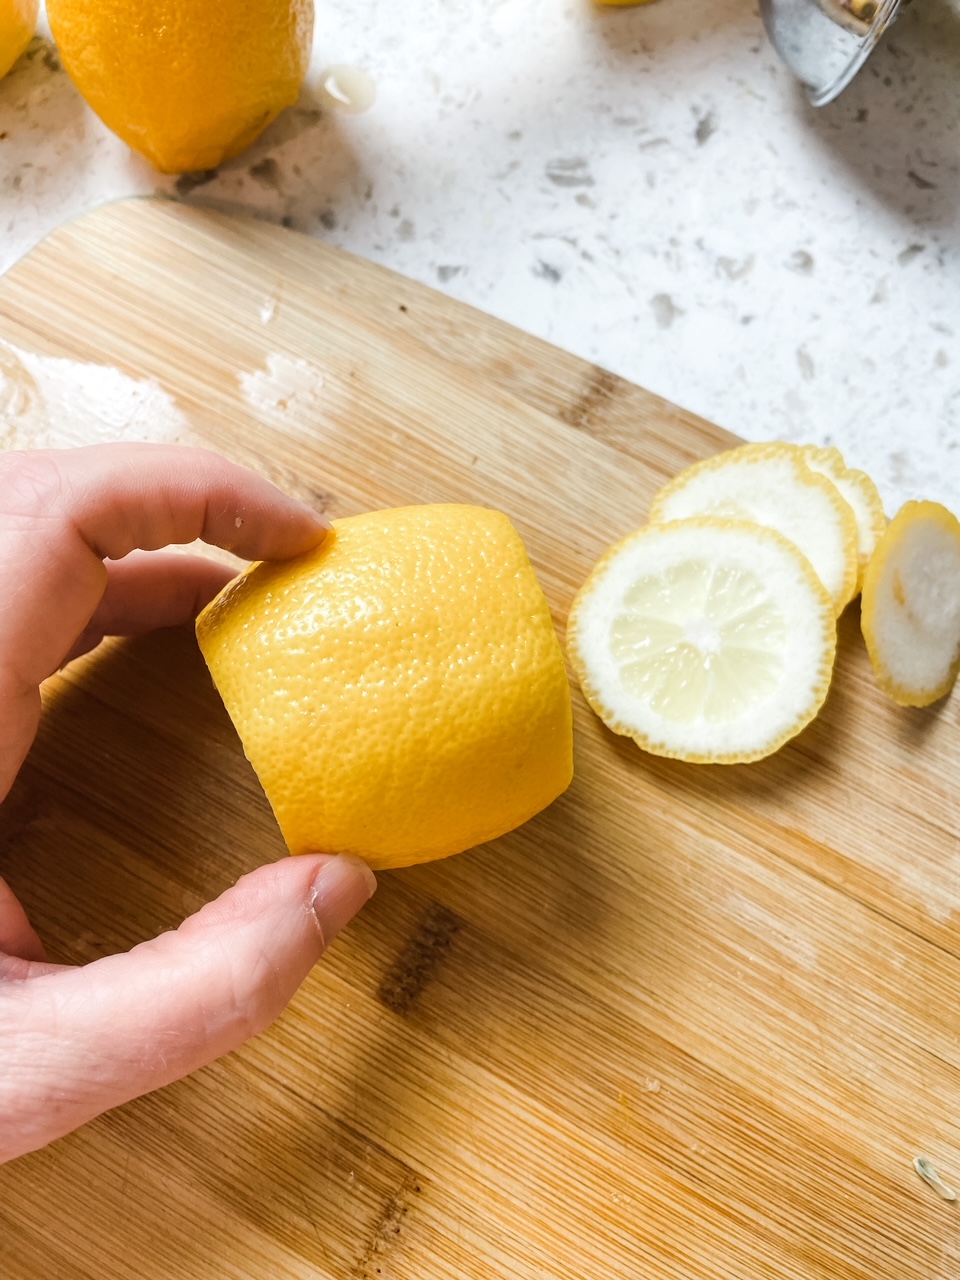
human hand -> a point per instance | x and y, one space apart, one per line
75 1042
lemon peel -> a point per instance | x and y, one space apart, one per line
18 22
860 492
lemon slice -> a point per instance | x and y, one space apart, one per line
857 489
705 640
771 485
910 613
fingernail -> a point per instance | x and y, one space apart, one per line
339 891
315 517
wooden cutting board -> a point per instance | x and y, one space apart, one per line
690 1022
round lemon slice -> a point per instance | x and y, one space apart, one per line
704 640
910 612
771 485
859 491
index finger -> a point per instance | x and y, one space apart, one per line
120 497
63 511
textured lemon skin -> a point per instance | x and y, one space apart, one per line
400 691
879 585
18 22
187 83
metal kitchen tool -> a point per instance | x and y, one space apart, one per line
826 42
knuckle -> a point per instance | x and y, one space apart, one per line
30 483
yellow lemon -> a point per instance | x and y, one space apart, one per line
400 691
190 84
18 22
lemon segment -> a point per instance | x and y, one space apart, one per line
910 612
770 485
704 639
400 691
862 495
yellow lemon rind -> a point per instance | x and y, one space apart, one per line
401 691
196 91
17 29
862 495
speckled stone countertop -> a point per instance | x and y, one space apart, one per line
644 187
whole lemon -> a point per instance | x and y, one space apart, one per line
400 691
18 22
187 83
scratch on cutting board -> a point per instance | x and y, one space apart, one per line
288 386
416 964
47 402
771 929
387 1229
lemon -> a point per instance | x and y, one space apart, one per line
910 612
400 691
703 639
18 22
861 494
771 485
190 84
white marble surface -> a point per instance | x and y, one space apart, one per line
645 187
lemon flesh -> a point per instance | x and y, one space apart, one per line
910 613
770 485
704 640
400 691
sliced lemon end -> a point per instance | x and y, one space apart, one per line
771 485
862 495
704 640
910 614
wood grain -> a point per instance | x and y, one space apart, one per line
688 1023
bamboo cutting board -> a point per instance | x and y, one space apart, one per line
689 1023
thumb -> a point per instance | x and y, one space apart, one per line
131 1023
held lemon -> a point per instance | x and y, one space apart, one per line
400 691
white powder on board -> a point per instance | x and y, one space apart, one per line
288 386
47 402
